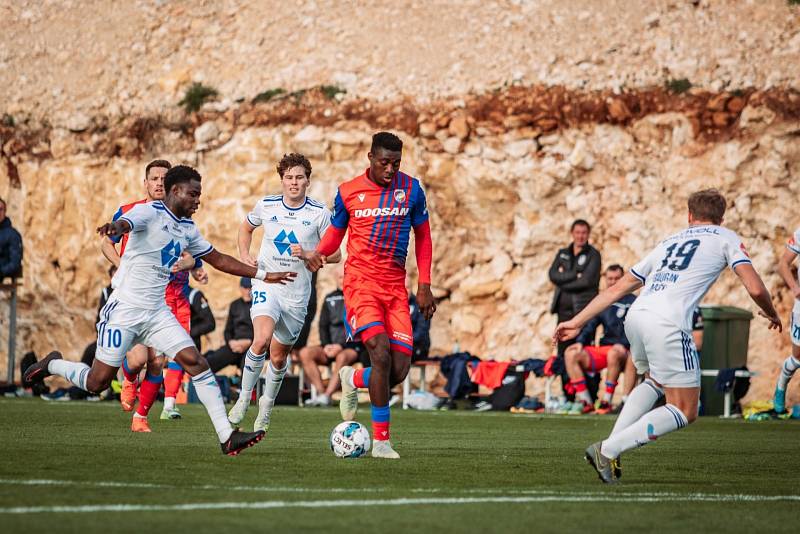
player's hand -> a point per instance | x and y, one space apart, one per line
332 350
200 275
425 301
248 259
774 321
108 230
184 263
281 278
564 331
314 260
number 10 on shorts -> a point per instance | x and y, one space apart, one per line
110 338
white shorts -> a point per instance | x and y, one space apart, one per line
289 317
662 349
794 329
124 325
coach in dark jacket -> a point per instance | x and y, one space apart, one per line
10 246
576 274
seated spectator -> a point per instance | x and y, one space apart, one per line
238 332
202 320
311 312
612 352
10 246
334 348
420 326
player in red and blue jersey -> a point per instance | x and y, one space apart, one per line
379 208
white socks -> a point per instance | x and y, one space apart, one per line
790 365
649 427
639 402
253 364
75 372
273 382
584 396
205 384
169 403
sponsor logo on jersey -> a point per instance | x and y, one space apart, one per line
378 212
274 218
170 253
361 197
399 196
283 242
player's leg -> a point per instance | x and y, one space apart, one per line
132 366
263 326
631 378
616 357
148 391
167 336
276 369
789 366
576 359
174 376
346 356
311 358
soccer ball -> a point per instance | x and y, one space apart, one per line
350 440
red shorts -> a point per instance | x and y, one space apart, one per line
374 308
180 306
598 356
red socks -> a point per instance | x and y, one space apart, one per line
148 392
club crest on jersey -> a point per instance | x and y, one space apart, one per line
361 197
283 242
170 253
399 196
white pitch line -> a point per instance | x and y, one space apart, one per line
358 503
95 484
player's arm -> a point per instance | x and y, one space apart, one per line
244 241
117 228
229 264
423 247
109 250
569 329
785 270
759 293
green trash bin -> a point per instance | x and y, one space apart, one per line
726 333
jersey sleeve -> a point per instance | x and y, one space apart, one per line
324 222
646 266
117 215
138 217
419 208
794 242
254 217
198 246
340 217
734 250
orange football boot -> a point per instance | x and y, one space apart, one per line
140 424
127 397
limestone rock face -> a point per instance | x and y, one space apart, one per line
499 211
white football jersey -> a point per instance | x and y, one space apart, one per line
678 272
794 246
284 227
156 241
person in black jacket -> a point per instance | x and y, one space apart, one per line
575 271
238 332
202 320
584 356
420 326
10 246
334 347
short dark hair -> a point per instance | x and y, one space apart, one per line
3 202
387 141
160 163
580 222
179 174
615 267
707 205
293 160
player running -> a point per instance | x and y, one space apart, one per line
675 276
792 363
292 222
136 311
379 208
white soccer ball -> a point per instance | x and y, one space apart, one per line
350 440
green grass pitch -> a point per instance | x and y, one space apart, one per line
75 466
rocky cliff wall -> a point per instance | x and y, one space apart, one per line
501 194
